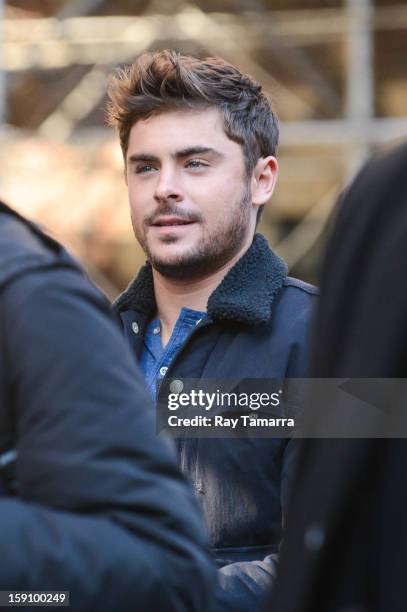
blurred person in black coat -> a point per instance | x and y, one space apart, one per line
345 548
91 501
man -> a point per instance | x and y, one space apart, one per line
199 141
86 488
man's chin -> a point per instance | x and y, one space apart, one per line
169 255
172 267
183 265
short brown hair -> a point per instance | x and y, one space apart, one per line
166 80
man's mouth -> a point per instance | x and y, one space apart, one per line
171 221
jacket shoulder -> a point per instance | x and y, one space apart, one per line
295 305
301 286
24 247
293 322
17 238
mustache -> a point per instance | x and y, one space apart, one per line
172 210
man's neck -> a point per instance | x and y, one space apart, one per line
173 294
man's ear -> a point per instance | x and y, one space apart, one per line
264 179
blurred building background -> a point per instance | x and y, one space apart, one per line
336 70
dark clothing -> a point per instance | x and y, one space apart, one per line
364 277
256 326
345 548
345 545
93 509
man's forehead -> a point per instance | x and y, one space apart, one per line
179 129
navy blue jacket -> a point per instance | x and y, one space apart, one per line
257 326
93 509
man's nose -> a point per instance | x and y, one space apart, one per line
167 188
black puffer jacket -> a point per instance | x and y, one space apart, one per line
99 507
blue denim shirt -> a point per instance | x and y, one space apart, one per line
155 359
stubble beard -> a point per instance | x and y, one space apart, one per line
213 251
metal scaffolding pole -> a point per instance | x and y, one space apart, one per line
77 8
360 75
2 71
360 99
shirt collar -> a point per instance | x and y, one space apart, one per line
245 295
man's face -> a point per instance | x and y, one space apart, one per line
189 194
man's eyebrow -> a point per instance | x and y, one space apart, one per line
197 150
143 157
188 151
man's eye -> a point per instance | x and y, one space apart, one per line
196 163
144 169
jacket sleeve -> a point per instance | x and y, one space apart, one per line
101 509
243 585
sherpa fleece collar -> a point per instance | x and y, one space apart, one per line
245 295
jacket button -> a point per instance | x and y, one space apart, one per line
176 386
135 327
156 330
314 537
163 371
